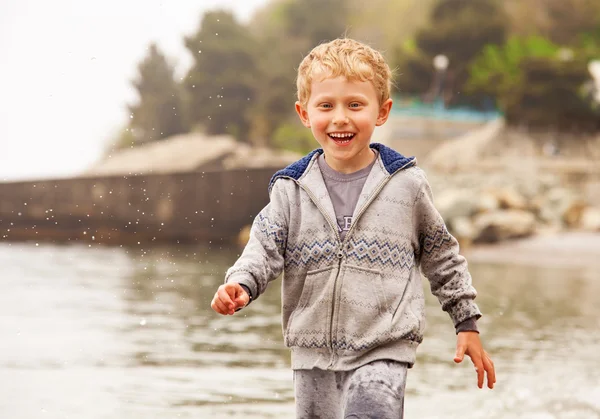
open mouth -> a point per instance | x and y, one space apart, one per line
342 138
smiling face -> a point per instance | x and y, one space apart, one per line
342 115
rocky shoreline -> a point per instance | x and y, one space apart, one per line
498 184
493 207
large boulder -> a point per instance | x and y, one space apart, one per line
504 224
189 153
452 203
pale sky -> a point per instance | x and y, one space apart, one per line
65 72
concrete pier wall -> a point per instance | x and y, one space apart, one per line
186 207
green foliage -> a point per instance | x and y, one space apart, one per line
315 21
498 68
385 24
159 113
458 29
537 83
293 136
221 82
551 96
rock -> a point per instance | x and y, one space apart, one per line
456 203
501 225
462 229
554 205
573 214
590 219
509 198
189 153
464 151
486 202
537 205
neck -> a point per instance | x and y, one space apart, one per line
361 160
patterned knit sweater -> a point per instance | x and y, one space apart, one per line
349 302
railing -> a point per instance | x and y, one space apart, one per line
415 107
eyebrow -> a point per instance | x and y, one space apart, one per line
349 97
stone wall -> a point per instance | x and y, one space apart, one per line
187 207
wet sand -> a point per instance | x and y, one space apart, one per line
557 250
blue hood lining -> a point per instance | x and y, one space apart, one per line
392 161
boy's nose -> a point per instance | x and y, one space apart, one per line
340 118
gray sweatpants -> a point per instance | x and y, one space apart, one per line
375 390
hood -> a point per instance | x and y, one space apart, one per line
392 161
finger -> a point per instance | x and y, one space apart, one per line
225 297
218 306
222 308
460 353
233 290
242 300
480 373
228 305
490 371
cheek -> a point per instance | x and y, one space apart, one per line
365 121
318 122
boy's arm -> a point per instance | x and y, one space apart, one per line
262 258
442 264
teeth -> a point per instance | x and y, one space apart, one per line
341 135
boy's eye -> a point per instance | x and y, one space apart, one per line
326 105
355 105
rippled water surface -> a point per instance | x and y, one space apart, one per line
105 332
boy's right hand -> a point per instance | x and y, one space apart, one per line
229 297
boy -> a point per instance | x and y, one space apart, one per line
350 225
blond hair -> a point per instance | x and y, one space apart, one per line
344 57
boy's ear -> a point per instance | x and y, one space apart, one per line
384 112
303 114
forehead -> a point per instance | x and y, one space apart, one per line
341 87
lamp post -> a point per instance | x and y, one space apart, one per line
440 64
594 69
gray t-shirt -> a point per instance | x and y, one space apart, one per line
344 190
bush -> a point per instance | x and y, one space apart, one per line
294 137
538 84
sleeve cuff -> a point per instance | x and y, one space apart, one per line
468 325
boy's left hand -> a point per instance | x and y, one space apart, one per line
469 343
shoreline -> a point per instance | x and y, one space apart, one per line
564 249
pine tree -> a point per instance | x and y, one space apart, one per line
221 83
458 29
158 113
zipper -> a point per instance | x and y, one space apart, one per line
344 244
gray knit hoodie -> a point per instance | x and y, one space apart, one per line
347 303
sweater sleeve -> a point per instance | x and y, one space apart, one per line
262 259
440 261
